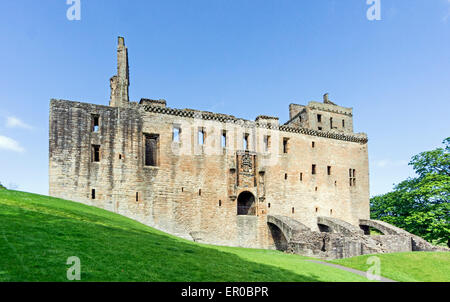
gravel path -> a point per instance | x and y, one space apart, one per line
351 270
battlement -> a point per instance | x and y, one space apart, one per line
260 122
326 116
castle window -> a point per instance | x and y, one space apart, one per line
268 205
95 153
301 176
331 123
285 176
266 143
319 118
313 144
176 134
316 189
93 194
120 156
151 149
137 196
182 189
320 128
352 177
317 209
343 123
285 145
331 212
329 170
246 136
293 210
220 203
224 139
95 122
200 192
201 136
313 170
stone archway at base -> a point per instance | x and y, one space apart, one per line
246 204
279 240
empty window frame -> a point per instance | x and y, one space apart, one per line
95 156
301 176
313 170
246 141
266 143
201 136
313 144
137 196
329 170
93 194
176 132
285 145
95 122
151 153
319 118
224 139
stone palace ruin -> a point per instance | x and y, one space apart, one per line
300 186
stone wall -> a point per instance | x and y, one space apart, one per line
194 191
195 187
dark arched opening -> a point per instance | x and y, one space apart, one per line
246 204
324 228
278 237
369 230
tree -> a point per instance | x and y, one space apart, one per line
421 205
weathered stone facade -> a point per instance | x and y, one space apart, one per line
211 177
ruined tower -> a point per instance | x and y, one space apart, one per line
120 82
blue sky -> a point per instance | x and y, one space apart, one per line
240 57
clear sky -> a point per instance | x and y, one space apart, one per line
240 57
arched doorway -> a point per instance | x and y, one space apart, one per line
279 240
324 228
246 204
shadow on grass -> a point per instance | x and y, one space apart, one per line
35 246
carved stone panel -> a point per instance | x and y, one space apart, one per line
246 166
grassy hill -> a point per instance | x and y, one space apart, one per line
39 233
407 267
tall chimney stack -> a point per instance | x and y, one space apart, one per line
120 82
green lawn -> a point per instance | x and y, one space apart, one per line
407 267
38 234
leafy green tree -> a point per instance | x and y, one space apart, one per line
421 205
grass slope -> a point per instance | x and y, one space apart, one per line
39 233
407 267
